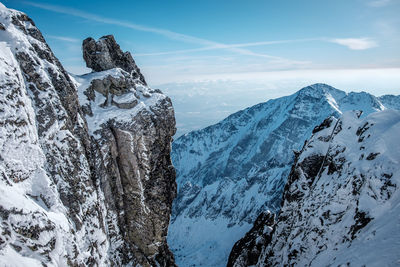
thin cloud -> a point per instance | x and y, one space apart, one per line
105 20
64 38
273 61
355 43
379 3
166 33
227 46
351 43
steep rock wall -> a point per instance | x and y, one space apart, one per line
75 189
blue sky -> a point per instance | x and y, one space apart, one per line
176 40
214 57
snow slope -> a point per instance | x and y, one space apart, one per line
341 205
25 185
230 172
42 156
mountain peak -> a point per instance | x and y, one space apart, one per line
321 89
106 54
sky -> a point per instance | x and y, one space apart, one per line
267 48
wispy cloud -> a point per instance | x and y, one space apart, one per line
351 43
164 32
64 38
254 62
228 46
93 17
379 3
355 43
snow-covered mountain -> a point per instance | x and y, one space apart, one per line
85 172
232 171
341 204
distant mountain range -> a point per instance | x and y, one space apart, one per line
231 172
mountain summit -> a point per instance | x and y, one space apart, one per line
106 54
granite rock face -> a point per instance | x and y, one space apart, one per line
106 54
85 171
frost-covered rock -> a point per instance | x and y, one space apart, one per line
341 202
232 171
132 127
79 186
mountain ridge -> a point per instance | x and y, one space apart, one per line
230 172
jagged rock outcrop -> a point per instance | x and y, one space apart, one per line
232 171
106 54
255 239
84 180
340 205
132 127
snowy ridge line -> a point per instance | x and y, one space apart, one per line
326 154
234 170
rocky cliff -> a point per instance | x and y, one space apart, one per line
341 203
86 176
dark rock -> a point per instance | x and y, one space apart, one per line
106 54
361 220
135 171
325 124
247 250
372 156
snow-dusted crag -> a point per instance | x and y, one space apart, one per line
132 128
85 175
231 172
341 204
